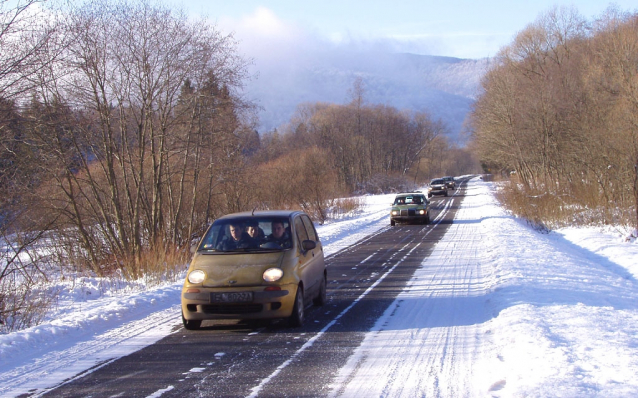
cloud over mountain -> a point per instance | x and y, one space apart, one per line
293 65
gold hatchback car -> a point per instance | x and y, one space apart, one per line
258 265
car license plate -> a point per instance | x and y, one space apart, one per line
231 297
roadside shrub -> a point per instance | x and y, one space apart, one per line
162 262
342 206
386 183
22 305
546 210
302 179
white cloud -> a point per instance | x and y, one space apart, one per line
264 23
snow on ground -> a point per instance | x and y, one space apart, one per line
498 309
502 310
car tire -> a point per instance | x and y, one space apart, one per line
427 218
322 295
192 324
297 317
392 222
445 194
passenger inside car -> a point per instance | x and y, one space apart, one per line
255 232
279 235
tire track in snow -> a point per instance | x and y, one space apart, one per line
427 340
88 356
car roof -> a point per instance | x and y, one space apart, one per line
262 213
410 193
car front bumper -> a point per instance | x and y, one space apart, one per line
438 191
200 305
409 215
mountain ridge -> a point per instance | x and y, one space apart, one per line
444 87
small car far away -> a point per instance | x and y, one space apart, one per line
261 265
410 207
438 186
450 182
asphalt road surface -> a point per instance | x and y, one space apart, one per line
233 359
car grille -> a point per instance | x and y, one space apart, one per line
408 212
231 309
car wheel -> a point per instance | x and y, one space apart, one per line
392 222
445 192
297 317
321 297
192 324
427 218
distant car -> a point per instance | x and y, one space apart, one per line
450 182
438 186
272 275
410 207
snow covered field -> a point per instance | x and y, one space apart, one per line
498 309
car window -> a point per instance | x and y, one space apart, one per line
410 200
218 237
300 228
310 228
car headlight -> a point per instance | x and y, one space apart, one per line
273 274
421 211
197 276
395 212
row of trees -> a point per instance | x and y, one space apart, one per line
126 131
560 109
120 135
366 144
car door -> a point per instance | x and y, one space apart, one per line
311 261
319 265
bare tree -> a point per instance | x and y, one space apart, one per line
27 45
128 175
559 109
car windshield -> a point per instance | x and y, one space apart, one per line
434 182
247 234
409 200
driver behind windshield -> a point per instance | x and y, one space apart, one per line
238 238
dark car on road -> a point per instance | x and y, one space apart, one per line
450 182
438 186
410 207
273 274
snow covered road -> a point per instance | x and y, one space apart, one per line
428 340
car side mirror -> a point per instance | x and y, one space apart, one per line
308 245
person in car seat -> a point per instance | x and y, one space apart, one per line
279 235
255 232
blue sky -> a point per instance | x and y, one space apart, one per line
463 29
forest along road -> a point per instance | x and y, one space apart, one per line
231 358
